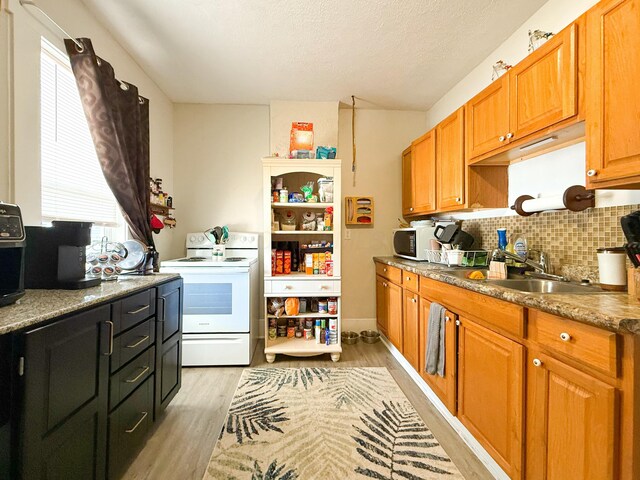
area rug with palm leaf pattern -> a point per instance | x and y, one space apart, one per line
325 423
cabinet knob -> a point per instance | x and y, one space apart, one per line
384 284
565 337
447 318
411 209
458 200
408 278
537 362
501 138
509 135
384 269
458 322
414 300
592 173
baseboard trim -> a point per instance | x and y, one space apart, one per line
460 429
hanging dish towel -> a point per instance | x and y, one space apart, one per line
435 340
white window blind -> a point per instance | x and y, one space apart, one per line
73 186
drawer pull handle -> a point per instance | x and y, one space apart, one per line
142 340
324 287
131 430
537 362
565 337
138 310
145 369
287 287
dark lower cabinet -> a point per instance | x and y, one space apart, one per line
128 427
66 378
90 386
169 344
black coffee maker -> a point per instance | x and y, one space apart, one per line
12 245
56 256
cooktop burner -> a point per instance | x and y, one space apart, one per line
234 259
192 259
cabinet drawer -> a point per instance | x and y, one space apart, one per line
410 281
122 383
590 345
302 287
132 310
128 426
132 342
392 274
506 316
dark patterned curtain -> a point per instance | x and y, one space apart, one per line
119 123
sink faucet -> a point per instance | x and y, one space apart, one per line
541 269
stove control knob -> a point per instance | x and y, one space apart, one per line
244 239
192 238
200 238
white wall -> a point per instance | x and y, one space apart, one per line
381 136
24 88
547 174
323 115
218 172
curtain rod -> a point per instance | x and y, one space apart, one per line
25 3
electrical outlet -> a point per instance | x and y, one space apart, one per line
347 234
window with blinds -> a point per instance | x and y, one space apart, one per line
73 186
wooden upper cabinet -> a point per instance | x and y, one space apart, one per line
487 118
543 87
450 165
571 422
613 94
491 393
407 182
424 173
410 332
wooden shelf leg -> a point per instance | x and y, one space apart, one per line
271 357
335 357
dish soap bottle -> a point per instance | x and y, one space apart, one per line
520 247
502 238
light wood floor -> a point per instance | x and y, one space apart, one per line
182 442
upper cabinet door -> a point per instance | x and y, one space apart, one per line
424 173
612 92
487 119
451 164
407 182
544 86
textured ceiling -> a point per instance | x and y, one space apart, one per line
402 54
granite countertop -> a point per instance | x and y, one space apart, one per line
38 306
613 311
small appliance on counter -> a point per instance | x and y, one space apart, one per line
12 252
56 256
413 242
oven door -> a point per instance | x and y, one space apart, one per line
216 300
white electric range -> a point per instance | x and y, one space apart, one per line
221 300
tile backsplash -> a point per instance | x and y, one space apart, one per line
570 238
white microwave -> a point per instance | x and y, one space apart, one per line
412 242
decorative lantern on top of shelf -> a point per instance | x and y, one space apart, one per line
537 38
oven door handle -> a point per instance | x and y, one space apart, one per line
160 316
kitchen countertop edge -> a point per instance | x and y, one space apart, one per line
40 306
570 306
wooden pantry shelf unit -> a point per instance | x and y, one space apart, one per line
293 174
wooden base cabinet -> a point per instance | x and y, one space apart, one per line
382 309
444 387
571 422
410 328
491 392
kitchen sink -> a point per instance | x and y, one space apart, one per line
536 285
